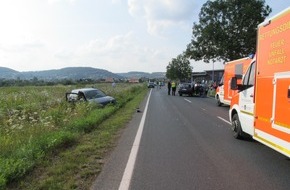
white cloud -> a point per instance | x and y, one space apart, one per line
117 54
135 7
161 14
23 44
33 56
51 34
58 1
118 44
116 1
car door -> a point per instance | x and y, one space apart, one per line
246 101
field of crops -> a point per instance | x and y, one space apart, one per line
36 120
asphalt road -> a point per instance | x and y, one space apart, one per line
187 144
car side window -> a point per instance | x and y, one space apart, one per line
249 78
221 81
252 75
246 78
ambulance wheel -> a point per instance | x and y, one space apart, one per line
236 127
218 101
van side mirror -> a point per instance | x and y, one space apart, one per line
251 56
234 83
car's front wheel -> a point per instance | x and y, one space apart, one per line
236 127
218 101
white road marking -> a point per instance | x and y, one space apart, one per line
127 175
224 120
187 100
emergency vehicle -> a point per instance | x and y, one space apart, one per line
236 68
261 108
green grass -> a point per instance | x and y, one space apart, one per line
60 136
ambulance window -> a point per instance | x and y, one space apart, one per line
221 81
249 78
239 71
246 78
252 75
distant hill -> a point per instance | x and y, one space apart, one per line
136 74
8 73
74 73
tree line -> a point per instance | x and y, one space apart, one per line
36 82
39 82
226 31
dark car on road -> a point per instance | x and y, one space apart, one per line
200 89
90 95
150 85
185 88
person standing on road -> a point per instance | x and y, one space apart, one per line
173 87
169 87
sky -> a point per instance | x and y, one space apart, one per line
115 35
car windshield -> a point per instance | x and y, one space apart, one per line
92 94
186 85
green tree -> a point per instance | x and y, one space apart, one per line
227 29
179 68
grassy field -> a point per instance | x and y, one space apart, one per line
47 143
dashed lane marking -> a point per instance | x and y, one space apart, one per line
224 120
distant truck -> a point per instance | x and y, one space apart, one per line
236 68
261 108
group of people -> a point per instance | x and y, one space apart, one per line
171 87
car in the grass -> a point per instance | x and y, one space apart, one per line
185 88
90 95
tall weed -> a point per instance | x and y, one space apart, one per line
37 120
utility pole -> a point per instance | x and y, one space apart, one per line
212 71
